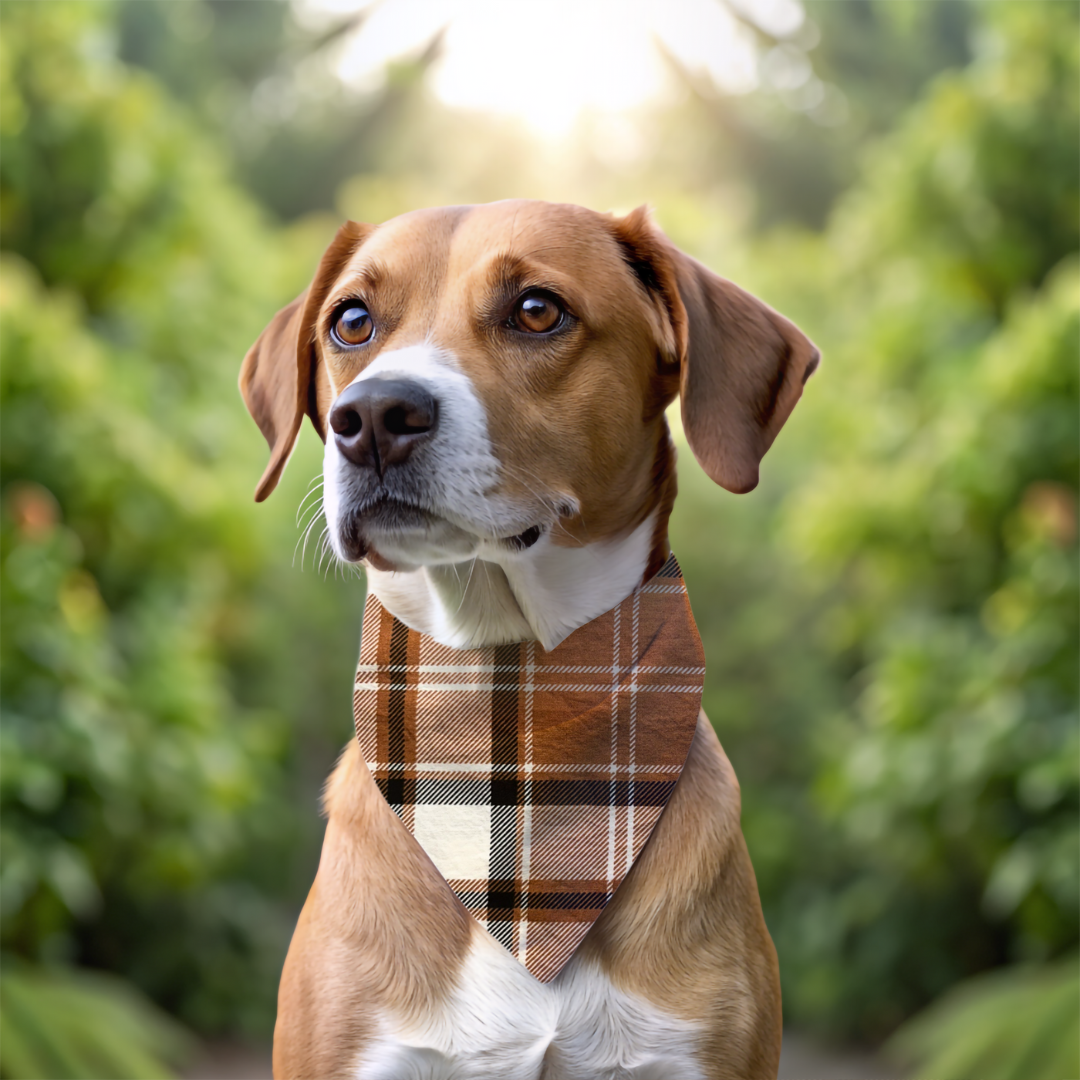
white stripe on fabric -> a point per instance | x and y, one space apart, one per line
614 751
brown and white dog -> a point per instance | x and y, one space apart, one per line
490 383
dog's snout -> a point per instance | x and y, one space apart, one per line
378 422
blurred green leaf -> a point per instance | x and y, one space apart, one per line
65 1024
1020 1024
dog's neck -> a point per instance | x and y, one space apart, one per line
543 594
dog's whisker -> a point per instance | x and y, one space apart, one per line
519 472
549 502
305 510
315 510
307 534
316 483
472 567
325 549
301 542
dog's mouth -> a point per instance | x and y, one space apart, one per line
524 540
388 520
382 517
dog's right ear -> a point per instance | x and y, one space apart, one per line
277 378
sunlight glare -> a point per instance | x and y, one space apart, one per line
548 63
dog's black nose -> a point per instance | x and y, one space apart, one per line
377 422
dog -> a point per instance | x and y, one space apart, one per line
491 384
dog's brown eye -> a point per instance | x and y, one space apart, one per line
353 325
537 314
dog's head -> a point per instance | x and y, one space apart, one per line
488 377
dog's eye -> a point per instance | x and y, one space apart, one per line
537 313
352 325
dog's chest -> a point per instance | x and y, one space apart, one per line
502 1024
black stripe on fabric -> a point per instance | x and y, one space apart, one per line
474 901
670 569
398 790
502 932
500 903
503 854
506 792
457 791
504 817
399 654
538 901
599 792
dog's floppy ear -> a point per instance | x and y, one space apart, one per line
278 376
742 364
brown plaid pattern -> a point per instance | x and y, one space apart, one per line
533 779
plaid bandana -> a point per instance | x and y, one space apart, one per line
532 779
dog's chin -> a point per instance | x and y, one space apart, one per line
391 535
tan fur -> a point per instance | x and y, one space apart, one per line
578 414
380 931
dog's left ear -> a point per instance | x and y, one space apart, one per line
279 374
742 365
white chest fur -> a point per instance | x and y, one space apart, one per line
502 1024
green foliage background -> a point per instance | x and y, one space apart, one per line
890 619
